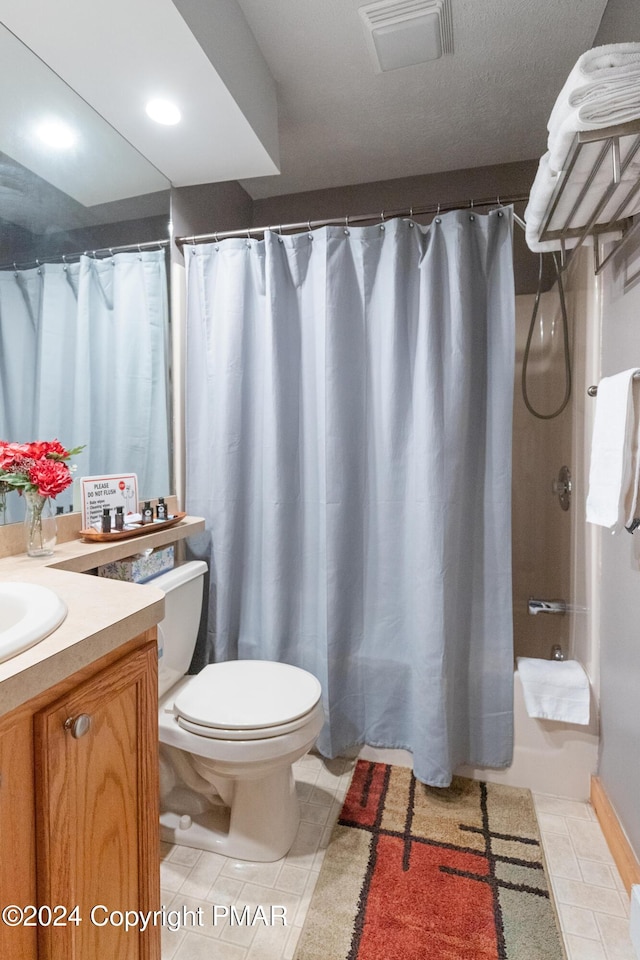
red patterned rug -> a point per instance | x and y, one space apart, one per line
422 873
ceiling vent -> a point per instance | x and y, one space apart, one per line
402 32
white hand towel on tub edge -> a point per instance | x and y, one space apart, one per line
614 453
555 689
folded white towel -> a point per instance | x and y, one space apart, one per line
561 137
560 143
603 89
555 689
610 63
539 196
613 473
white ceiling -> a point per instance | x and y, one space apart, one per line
116 60
338 120
341 122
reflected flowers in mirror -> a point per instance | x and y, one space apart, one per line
40 470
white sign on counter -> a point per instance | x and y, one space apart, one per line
110 491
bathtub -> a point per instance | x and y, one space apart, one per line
548 757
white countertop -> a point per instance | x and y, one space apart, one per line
102 614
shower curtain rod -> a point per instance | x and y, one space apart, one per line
361 218
98 253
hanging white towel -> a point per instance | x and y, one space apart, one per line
614 469
555 689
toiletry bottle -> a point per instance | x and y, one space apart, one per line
119 518
161 509
106 520
147 512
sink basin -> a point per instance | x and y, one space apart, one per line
28 613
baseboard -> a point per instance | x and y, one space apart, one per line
621 851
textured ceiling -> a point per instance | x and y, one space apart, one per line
341 122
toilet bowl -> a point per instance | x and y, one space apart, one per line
228 737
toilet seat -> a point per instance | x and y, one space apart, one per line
254 733
246 700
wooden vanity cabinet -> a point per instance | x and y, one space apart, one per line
79 812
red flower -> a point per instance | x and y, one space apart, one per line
46 448
11 452
40 465
51 477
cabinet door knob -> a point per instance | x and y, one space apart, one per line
78 725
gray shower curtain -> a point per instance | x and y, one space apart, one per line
349 398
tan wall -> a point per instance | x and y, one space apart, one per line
541 533
453 187
555 553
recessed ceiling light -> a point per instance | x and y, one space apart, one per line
56 134
163 111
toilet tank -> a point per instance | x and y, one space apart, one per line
177 633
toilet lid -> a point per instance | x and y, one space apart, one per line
247 694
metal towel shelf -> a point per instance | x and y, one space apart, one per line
596 193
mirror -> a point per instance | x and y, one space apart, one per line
84 234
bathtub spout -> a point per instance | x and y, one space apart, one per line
547 606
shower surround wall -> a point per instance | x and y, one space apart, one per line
555 552
541 530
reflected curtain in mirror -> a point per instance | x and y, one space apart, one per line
84 350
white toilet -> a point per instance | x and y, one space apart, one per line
228 737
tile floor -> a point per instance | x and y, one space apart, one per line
591 900
592 903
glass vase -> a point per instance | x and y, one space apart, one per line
40 527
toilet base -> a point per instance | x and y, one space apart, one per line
260 825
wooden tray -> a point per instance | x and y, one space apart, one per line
95 536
